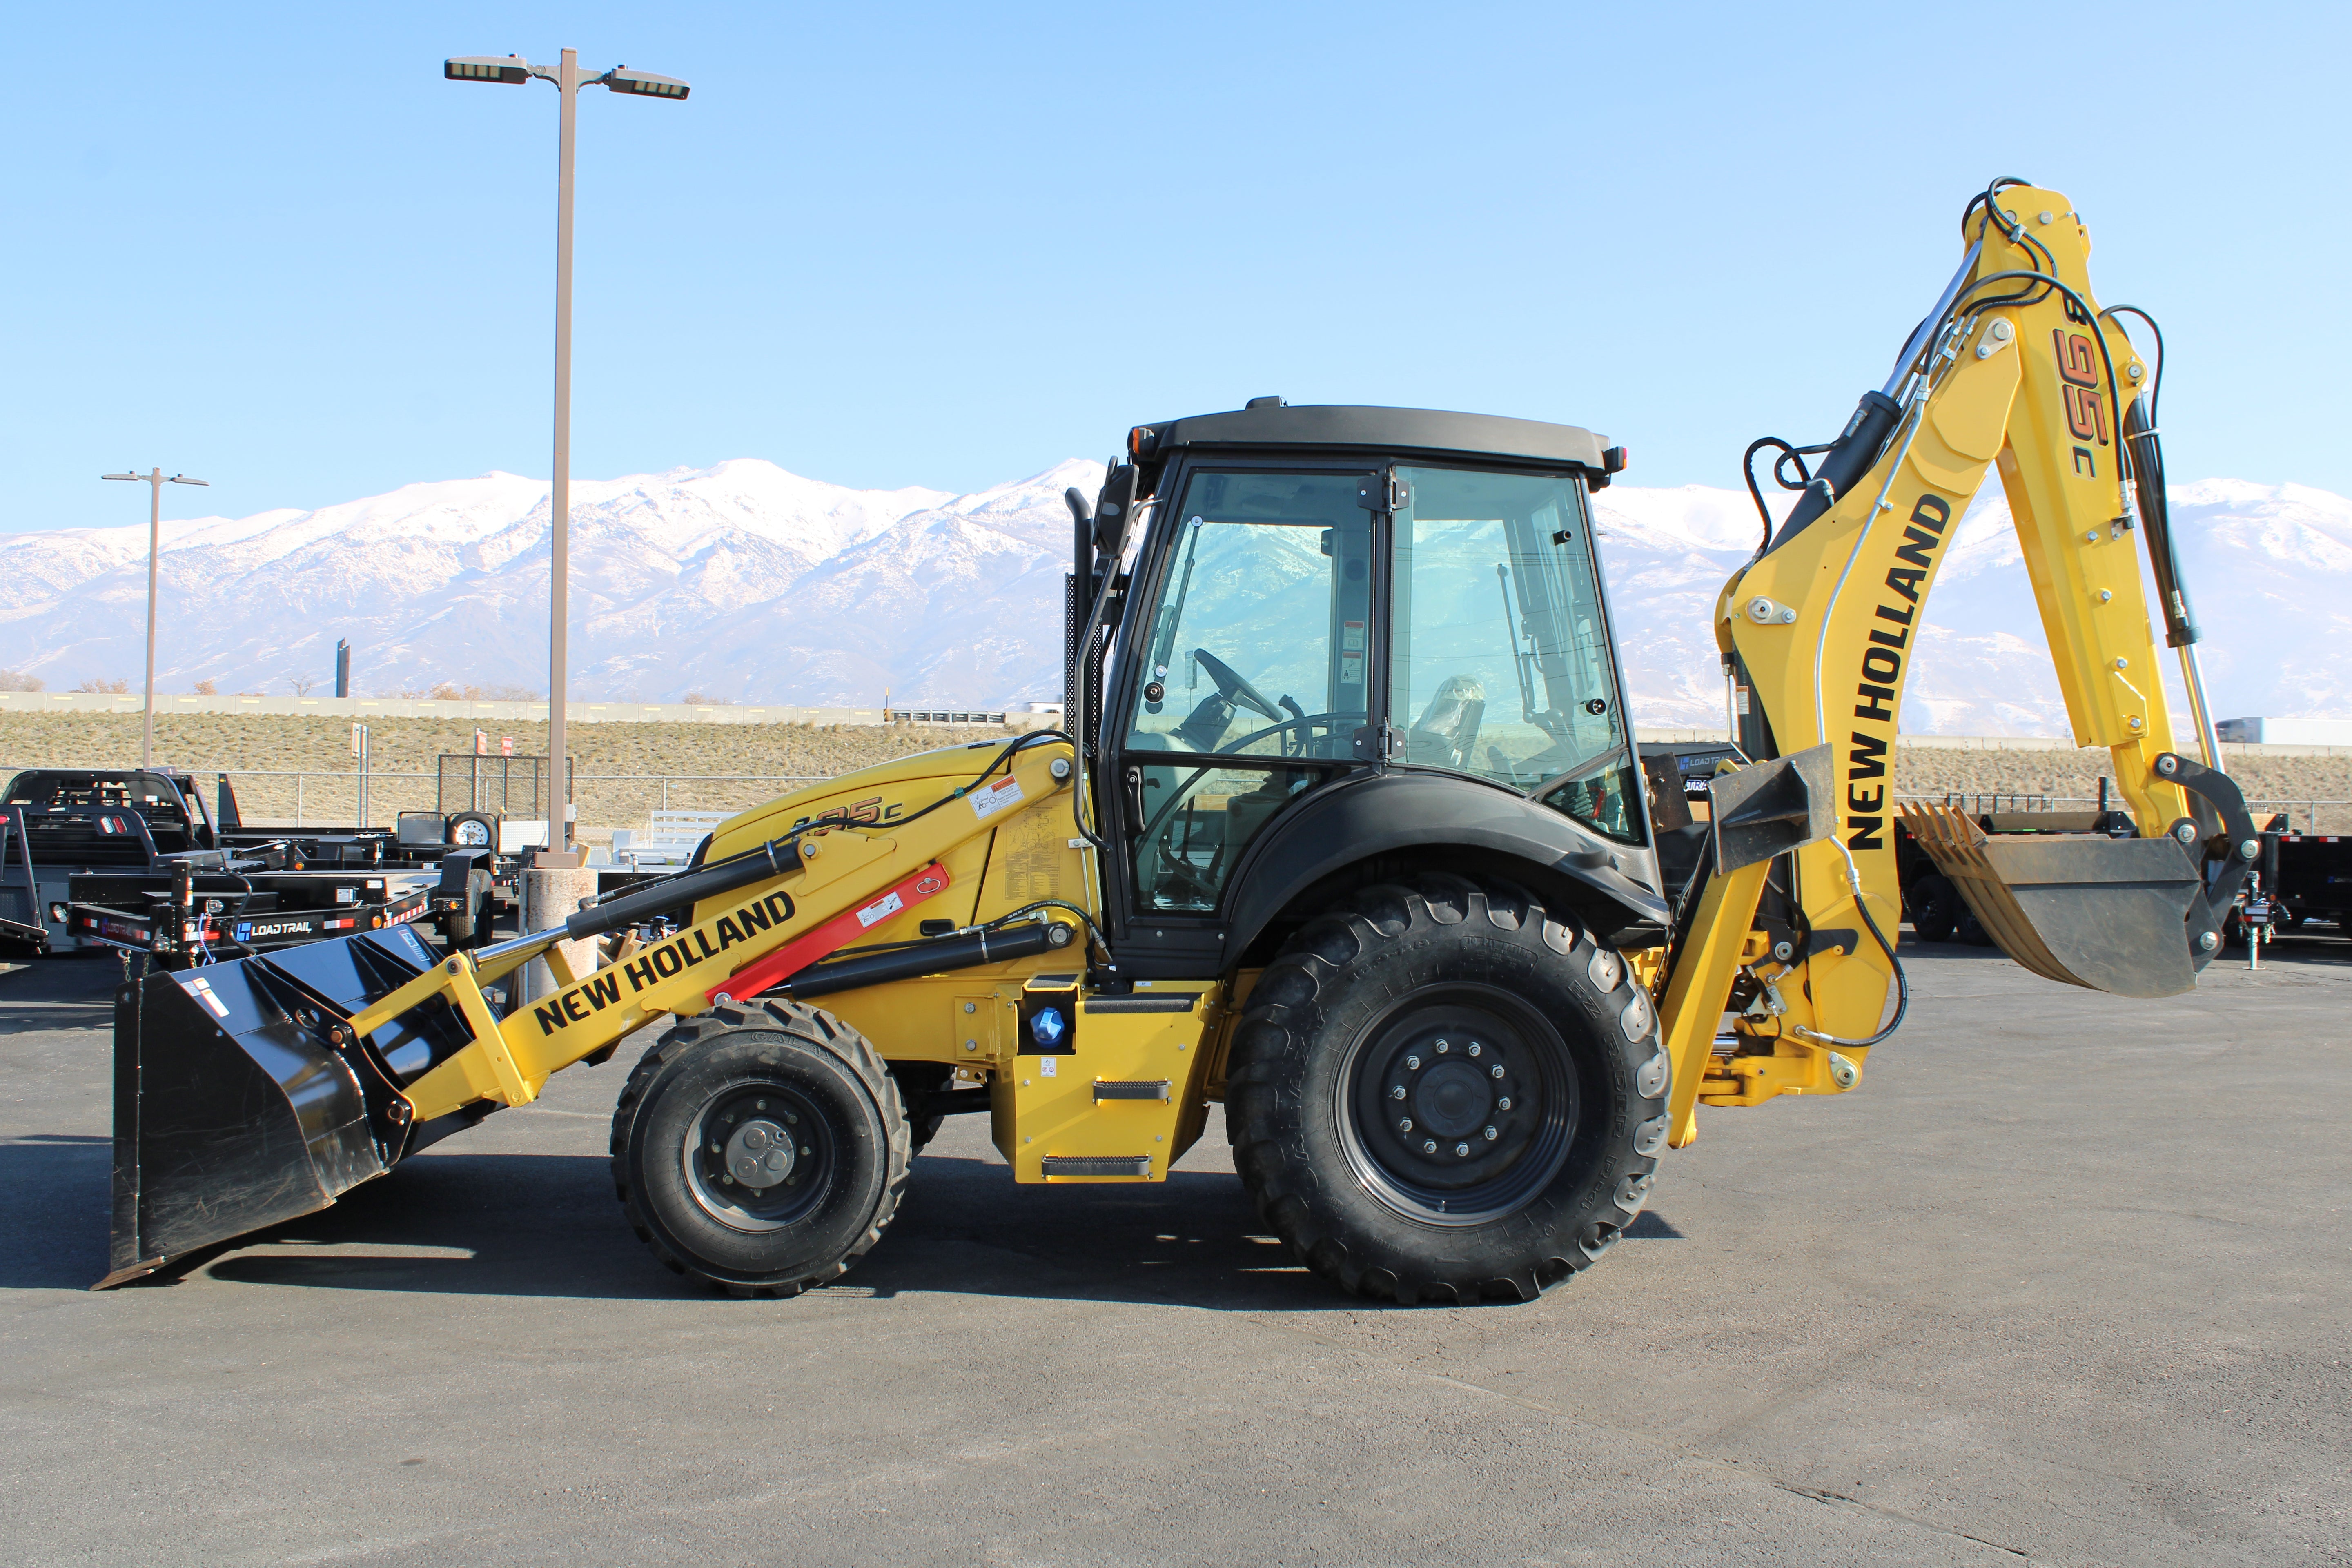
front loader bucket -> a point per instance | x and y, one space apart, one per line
2110 914
236 1106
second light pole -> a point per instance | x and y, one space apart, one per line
511 70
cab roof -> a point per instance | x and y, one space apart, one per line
1269 423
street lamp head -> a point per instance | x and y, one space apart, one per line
122 476
644 84
183 480
506 68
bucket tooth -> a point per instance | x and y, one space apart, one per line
2108 914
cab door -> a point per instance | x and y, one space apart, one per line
1248 681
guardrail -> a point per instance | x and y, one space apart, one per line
284 797
297 798
1982 803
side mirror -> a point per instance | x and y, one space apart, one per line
1114 513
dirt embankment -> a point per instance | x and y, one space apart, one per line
627 770
2271 784
621 771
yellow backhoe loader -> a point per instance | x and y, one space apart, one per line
1348 833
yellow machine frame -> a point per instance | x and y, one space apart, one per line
1133 1086
1824 623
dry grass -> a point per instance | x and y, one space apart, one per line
250 746
2271 784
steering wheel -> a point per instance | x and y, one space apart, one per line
1234 688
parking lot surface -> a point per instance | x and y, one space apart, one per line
2065 1280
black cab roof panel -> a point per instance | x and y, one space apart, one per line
1387 429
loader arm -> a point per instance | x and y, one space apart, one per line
2015 366
843 880
255 1091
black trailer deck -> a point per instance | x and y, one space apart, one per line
181 921
89 857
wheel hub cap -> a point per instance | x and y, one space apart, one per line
759 1154
1452 1098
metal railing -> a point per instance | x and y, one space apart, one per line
301 797
1987 801
278 797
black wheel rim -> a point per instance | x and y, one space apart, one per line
1430 1125
758 1156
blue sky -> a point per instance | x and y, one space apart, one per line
951 246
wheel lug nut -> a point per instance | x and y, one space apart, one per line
1404 1124
1396 1093
1412 1064
1490 1135
1504 1103
1442 1047
1474 1048
1429 1146
1462 1149
1497 1070
762 1105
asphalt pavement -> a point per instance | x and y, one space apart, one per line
2065 1280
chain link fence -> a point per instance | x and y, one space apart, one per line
2302 815
318 798
313 798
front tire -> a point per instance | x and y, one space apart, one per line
761 1147
1441 1091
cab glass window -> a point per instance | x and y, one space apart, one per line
1254 667
1258 644
1499 661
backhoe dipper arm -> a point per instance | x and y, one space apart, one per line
2015 365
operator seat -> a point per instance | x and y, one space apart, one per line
1448 727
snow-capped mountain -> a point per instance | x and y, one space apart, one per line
745 582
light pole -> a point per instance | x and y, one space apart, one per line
156 481
512 71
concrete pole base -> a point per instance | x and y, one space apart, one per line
548 899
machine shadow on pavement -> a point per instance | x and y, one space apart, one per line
545 1225
53 1234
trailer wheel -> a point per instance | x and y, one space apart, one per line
761 1147
1936 909
1441 1091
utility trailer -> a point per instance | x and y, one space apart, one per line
180 917
2303 876
100 858
56 823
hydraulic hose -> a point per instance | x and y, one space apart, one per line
1902 985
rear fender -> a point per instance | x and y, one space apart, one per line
1376 824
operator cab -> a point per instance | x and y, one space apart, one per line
1325 593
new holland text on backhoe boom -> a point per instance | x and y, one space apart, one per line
1350 834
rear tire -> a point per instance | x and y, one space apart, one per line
761 1147
1428 989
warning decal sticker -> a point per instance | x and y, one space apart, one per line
990 799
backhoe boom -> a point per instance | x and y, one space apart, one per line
2017 367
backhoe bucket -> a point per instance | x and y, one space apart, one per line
236 1104
2110 914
